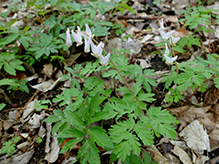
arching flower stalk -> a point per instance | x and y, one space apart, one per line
96 49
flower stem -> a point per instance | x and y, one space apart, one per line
121 75
177 70
125 81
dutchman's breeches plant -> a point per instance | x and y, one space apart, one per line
90 103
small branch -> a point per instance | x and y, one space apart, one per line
12 127
7 98
145 18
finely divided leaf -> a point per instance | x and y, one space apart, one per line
144 134
122 150
70 144
89 153
100 137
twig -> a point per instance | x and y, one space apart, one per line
12 127
145 18
7 98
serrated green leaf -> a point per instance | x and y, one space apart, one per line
70 144
216 82
89 153
124 90
144 134
146 97
100 116
59 114
122 150
94 104
122 127
99 136
57 126
74 118
100 31
135 145
199 79
2 105
168 130
51 119
136 88
8 68
8 82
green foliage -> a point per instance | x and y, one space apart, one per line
2 105
10 64
119 29
193 75
75 123
195 16
19 84
39 140
134 159
14 84
175 96
41 104
9 146
121 63
127 134
88 103
45 46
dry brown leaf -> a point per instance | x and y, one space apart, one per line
48 69
184 157
196 137
6 125
187 114
156 155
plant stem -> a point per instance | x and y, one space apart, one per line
113 65
121 75
6 97
177 70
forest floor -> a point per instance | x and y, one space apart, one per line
197 138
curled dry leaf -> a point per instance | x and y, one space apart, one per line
196 137
184 157
48 69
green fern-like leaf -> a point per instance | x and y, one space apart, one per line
160 122
89 153
144 134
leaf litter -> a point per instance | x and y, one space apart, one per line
199 128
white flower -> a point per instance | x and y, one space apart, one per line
104 60
97 50
77 36
88 31
87 34
161 25
173 40
167 50
87 44
167 58
167 35
68 38
170 60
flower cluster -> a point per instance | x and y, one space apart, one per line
167 36
88 43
